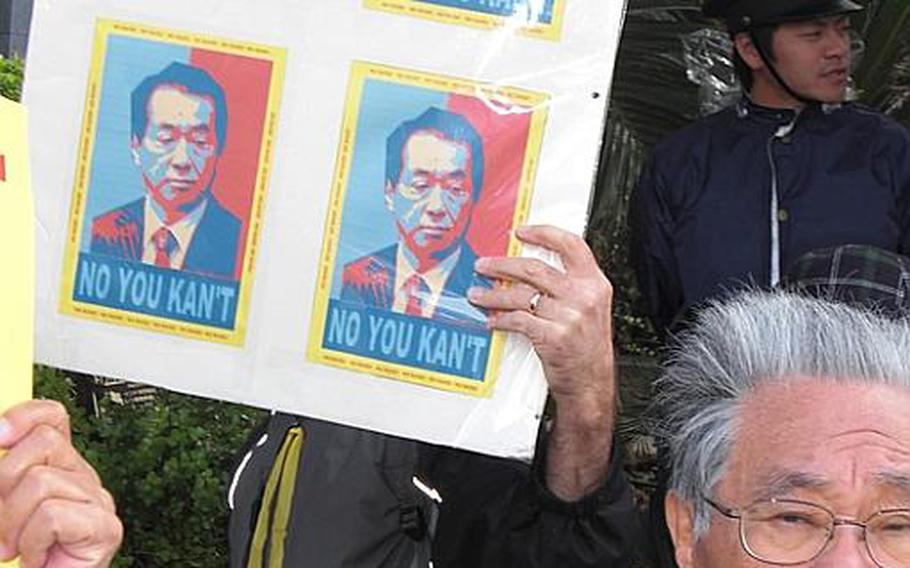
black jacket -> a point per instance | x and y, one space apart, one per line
354 505
702 213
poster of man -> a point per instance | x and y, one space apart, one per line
432 173
434 177
534 18
176 135
179 121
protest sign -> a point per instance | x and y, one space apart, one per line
17 259
356 322
300 126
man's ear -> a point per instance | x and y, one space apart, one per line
134 149
387 196
743 44
681 522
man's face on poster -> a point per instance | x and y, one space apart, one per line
177 156
433 199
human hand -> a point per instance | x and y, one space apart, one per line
54 512
570 327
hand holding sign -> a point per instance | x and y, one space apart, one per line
567 316
54 510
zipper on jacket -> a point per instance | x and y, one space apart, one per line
774 269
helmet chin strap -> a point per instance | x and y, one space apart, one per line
766 58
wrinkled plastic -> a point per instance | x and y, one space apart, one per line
708 57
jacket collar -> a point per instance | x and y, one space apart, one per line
746 109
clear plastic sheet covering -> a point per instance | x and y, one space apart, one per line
707 54
232 197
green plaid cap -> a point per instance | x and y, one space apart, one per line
860 275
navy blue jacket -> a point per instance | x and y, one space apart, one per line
370 280
212 251
702 212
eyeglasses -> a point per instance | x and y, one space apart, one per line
787 532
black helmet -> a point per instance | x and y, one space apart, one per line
742 15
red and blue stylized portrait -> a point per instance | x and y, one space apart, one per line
432 181
173 177
178 121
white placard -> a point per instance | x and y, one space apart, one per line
263 359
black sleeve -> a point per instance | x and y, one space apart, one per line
901 162
498 513
652 248
253 464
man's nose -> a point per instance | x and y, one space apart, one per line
180 157
838 43
846 550
435 202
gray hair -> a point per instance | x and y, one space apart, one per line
751 339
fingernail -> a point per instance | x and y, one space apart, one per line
5 552
474 293
481 264
6 430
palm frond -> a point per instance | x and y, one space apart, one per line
883 76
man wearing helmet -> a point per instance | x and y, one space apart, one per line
790 53
738 196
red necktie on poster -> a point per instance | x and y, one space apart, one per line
416 290
164 242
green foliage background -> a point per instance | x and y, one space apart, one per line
11 78
167 462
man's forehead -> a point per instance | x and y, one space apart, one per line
808 432
177 102
824 21
812 408
434 146
795 388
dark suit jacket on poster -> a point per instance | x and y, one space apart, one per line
212 251
370 280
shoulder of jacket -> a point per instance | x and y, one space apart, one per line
119 216
686 139
888 131
861 112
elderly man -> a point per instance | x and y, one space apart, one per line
53 510
789 436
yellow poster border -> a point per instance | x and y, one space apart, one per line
104 29
470 18
506 97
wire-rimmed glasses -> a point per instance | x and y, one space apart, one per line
786 532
